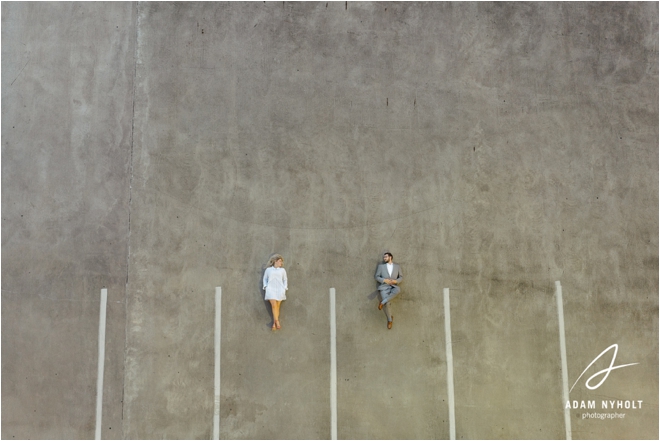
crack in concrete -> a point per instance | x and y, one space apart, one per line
130 201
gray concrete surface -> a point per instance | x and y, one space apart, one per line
67 109
163 149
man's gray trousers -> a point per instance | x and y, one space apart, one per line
387 294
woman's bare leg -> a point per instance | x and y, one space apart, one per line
276 312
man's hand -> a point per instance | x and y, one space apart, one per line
390 281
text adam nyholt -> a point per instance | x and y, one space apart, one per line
604 404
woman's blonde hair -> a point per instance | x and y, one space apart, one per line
274 258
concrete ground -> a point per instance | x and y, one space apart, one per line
160 150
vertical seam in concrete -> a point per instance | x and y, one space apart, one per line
130 201
564 363
450 367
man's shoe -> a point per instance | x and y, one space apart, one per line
389 324
380 306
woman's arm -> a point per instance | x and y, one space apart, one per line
266 277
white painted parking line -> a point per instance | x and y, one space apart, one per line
564 363
450 367
216 401
101 363
333 366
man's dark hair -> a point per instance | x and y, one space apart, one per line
389 254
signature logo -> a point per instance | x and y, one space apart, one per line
605 372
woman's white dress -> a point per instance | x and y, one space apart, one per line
275 283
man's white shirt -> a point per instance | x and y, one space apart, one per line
389 268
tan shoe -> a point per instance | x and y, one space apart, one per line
389 324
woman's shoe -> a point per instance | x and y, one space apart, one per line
277 323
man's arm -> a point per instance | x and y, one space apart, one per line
399 276
379 277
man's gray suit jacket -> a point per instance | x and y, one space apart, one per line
382 274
